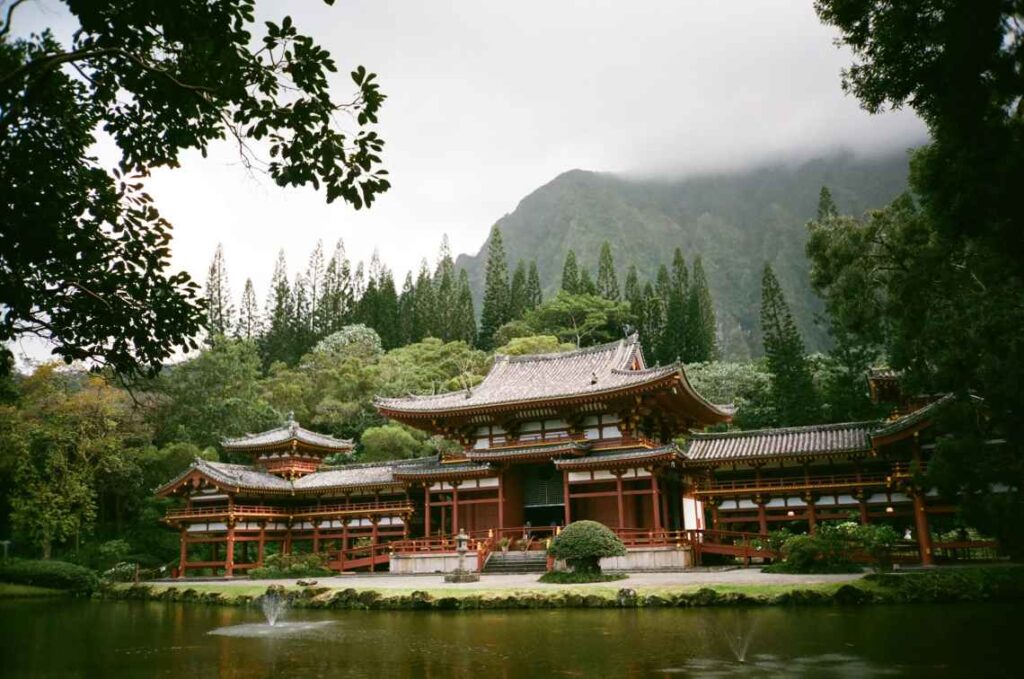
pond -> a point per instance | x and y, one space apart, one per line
79 639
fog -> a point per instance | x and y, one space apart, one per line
487 101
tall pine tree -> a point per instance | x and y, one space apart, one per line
220 312
495 312
387 325
701 344
276 341
571 274
424 317
793 394
407 311
632 292
587 285
534 296
607 281
315 275
666 345
826 206
250 324
517 302
465 324
446 294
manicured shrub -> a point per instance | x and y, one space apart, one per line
52 574
584 543
576 577
291 566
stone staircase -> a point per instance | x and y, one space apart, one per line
516 561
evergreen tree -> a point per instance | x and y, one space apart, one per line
632 292
407 311
792 387
666 347
465 327
387 311
424 320
534 296
358 286
315 274
249 325
495 312
446 297
517 302
826 206
571 274
607 281
587 285
275 343
700 318
680 276
220 312
335 307
301 320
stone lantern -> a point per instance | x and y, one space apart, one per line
461 574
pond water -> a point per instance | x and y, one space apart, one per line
73 639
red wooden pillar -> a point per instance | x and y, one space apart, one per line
316 537
501 504
373 543
287 548
812 515
183 552
426 509
566 491
665 514
455 508
655 503
714 516
762 519
863 507
618 498
229 551
924 536
344 541
260 545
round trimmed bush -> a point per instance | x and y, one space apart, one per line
584 543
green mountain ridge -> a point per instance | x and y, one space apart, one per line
736 221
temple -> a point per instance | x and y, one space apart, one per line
548 439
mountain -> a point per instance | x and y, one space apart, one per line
736 221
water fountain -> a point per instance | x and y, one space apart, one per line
273 605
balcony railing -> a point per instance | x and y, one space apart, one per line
276 512
797 483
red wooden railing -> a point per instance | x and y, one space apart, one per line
268 511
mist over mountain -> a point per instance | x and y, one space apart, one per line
736 221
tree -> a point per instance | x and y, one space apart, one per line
220 312
953 247
447 294
570 274
213 396
826 206
581 319
276 343
316 273
89 271
747 386
534 344
407 310
517 302
424 313
431 367
587 285
465 317
632 292
700 318
607 282
393 442
250 325
534 296
495 310
584 543
792 388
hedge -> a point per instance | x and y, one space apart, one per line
53 574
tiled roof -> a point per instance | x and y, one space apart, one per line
884 374
433 467
245 477
542 377
562 448
787 442
613 457
291 431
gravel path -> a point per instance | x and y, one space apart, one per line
742 576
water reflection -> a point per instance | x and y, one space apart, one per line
85 639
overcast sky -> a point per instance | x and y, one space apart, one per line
489 100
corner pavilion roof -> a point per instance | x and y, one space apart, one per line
591 372
285 435
240 478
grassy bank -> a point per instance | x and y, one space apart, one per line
10 590
950 585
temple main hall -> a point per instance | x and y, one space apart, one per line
545 440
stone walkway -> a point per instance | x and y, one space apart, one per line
742 576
